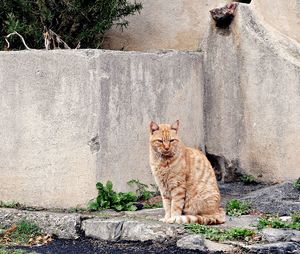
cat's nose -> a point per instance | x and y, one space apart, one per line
167 148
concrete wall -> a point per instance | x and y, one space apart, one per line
252 98
168 24
284 16
71 118
182 24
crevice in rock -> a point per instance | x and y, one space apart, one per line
225 170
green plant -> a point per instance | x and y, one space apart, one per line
108 198
154 205
75 21
10 204
218 234
25 230
297 184
296 217
237 207
276 222
248 179
142 190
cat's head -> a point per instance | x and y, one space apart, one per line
164 138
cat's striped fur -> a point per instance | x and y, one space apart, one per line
185 178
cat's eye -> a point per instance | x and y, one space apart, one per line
172 140
159 140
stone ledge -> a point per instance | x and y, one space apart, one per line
62 225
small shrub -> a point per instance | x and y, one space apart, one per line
237 207
74 20
248 179
218 234
109 199
297 184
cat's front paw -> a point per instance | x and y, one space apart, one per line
164 220
174 219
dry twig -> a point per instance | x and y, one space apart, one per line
15 33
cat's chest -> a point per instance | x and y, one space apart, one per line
168 177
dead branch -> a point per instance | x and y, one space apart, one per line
52 38
15 33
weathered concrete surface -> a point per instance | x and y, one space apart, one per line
191 242
280 247
284 16
277 235
181 24
130 230
252 98
71 118
176 24
62 225
281 199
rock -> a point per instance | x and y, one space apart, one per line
295 236
152 214
244 221
281 198
212 246
63 225
276 235
129 230
191 242
273 248
103 229
224 15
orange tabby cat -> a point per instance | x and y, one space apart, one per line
185 177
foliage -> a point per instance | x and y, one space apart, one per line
276 222
22 232
75 21
237 207
108 198
154 205
219 234
248 179
297 184
10 204
142 190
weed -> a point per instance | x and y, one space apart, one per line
296 217
155 205
108 198
297 184
10 204
276 222
76 210
24 231
248 179
237 207
218 234
142 190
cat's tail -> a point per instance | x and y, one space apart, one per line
217 218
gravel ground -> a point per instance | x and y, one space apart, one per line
90 246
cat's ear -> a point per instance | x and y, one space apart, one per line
153 127
175 126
